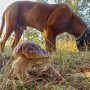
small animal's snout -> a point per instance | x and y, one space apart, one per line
44 54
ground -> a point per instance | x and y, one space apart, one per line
61 72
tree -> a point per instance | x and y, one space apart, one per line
42 1
84 10
59 1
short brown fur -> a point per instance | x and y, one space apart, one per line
52 19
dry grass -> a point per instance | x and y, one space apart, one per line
61 72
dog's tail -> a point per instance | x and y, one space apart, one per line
2 24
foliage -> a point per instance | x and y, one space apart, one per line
33 35
73 4
84 10
59 1
42 1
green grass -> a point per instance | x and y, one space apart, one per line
59 73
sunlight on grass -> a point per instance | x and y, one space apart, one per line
61 70
67 45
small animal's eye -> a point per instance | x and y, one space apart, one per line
44 51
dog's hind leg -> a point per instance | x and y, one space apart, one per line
18 34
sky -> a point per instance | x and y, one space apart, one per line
5 3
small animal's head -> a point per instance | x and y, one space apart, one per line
30 50
83 42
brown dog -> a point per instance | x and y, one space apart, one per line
52 19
